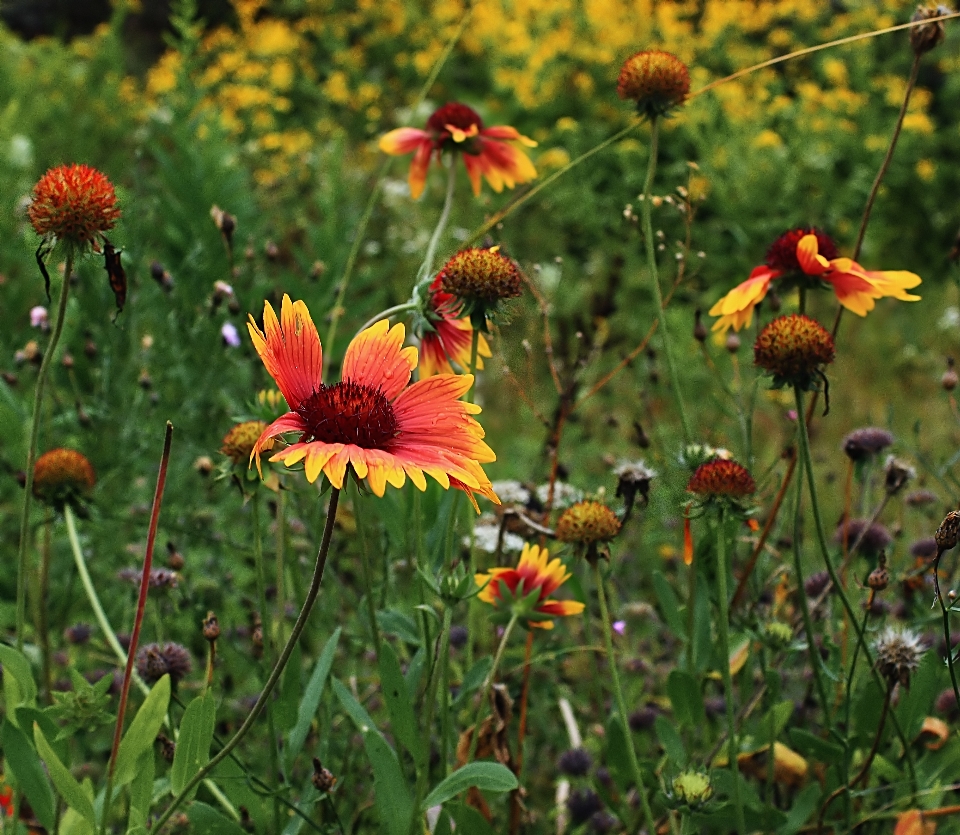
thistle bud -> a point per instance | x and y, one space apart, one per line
949 531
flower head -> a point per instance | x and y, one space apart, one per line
794 349
898 654
75 204
370 421
491 152
928 36
445 336
540 577
863 444
239 442
809 256
657 81
586 523
154 661
633 479
721 479
479 279
63 476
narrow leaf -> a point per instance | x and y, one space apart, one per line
205 820
193 744
354 709
486 776
399 704
389 785
142 732
70 790
311 699
686 699
19 688
468 820
24 763
141 794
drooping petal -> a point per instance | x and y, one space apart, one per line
510 163
418 170
451 340
474 171
404 141
376 358
895 283
809 257
433 357
290 422
507 132
736 308
290 350
853 289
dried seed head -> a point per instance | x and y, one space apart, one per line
897 474
211 627
927 36
878 579
898 654
238 443
322 779
586 523
154 661
948 532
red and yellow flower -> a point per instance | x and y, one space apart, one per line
448 336
808 252
75 204
371 421
490 152
538 573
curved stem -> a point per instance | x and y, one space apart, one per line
655 277
275 674
22 567
946 627
621 703
485 689
386 314
722 623
426 268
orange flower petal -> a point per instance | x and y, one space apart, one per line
376 358
290 349
808 254
403 141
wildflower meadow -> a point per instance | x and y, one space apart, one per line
485 416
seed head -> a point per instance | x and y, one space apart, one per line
586 523
878 579
898 654
863 444
75 204
238 443
481 279
927 36
897 474
876 537
794 350
657 81
63 476
949 531
211 627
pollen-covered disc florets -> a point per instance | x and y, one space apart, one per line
657 81
238 443
898 654
481 278
586 523
782 254
75 204
794 350
63 476
721 479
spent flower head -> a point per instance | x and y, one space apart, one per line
794 349
898 654
481 279
589 525
63 476
74 205
655 80
928 36
154 661
863 444
239 442
633 480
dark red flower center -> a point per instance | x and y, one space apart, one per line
456 114
782 254
349 413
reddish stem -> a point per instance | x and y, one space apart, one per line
142 601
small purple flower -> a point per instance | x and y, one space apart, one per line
231 337
39 317
792 414
620 627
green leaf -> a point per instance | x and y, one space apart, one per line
19 688
392 796
286 704
686 698
73 823
354 709
24 763
70 790
486 776
781 713
803 806
468 820
916 702
142 732
618 756
193 744
474 678
392 622
399 704
671 741
205 820
311 699
810 745
670 606
141 793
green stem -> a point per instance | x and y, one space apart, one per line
267 626
386 314
485 689
474 356
367 573
607 627
645 211
22 568
423 764
722 622
275 674
109 635
807 464
948 639
426 268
